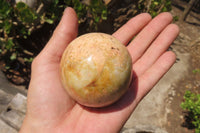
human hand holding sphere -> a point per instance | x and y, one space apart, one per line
51 110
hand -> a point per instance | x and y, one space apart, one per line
49 107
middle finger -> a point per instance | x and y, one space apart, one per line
143 40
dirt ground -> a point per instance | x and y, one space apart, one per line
187 42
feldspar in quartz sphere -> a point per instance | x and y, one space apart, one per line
96 69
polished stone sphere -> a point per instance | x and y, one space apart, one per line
96 69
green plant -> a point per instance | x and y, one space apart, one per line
19 25
15 22
154 7
192 105
92 14
98 11
19 21
196 71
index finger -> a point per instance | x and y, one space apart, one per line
132 27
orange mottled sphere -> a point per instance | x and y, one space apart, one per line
96 69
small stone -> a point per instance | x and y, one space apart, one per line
13 118
15 111
121 19
188 86
87 2
130 12
5 98
18 103
5 128
121 10
182 117
107 1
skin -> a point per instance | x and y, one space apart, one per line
49 107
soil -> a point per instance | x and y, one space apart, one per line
187 42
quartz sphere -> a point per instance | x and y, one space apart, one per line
96 69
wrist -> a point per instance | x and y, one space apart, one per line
26 126
31 126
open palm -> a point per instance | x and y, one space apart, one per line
50 109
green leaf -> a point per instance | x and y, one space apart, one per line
9 44
25 37
21 5
94 2
50 21
5 9
79 7
196 71
13 56
7 67
164 9
175 18
96 19
7 26
192 105
104 15
29 60
23 31
29 32
25 14
56 2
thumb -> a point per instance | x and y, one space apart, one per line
64 33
